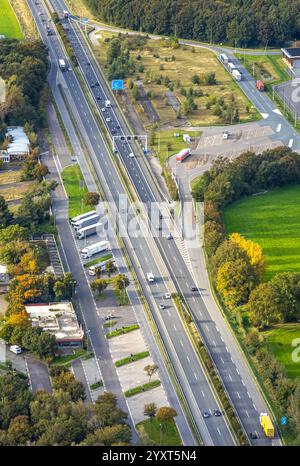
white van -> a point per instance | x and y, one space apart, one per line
131 154
15 349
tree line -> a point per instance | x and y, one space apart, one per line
237 266
246 22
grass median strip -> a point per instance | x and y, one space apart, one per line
76 189
61 360
122 331
96 385
97 260
142 388
133 358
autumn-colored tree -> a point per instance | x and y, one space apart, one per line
150 370
262 306
19 432
253 250
99 285
235 281
150 410
20 319
166 414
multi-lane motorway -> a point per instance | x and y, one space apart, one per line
247 400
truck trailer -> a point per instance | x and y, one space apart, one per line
231 67
183 154
82 216
93 249
267 425
237 75
88 231
223 58
100 265
85 222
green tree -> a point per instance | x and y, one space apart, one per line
166 414
5 215
110 267
65 286
286 287
91 198
110 435
99 285
150 410
135 92
262 306
66 381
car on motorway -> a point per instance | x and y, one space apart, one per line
225 134
103 109
253 435
158 227
193 288
169 236
217 413
88 63
161 306
98 97
206 415
167 295
118 126
92 86
69 69
97 84
131 154
108 119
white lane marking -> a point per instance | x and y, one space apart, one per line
247 413
291 141
214 343
264 115
202 392
187 358
175 328
195 375
238 395
181 343
222 360
278 127
230 378
218 431
276 110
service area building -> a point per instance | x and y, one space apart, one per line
60 320
291 56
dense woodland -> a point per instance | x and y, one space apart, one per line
250 22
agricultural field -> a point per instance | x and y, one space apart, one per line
158 58
271 69
12 189
9 25
273 221
280 341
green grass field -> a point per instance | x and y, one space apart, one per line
269 68
165 435
273 221
9 25
76 188
166 144
280 341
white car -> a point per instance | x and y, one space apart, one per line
108 120
131 154
169 236
225 135
161 306
167 295
15 349
103 109
69 69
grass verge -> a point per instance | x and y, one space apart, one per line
122 331
76 189
62 360
96 385
164 435
9 24
134 357
142 388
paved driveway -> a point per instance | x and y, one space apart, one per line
38 375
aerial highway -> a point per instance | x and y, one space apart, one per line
195 386
239 384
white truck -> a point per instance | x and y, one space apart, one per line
100 265
88 231
107 104
231 67
237 75
93 249
82 216
85 222
62 64
150 277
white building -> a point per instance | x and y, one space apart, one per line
19 145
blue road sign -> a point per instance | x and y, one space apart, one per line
117 84
284 421
85 20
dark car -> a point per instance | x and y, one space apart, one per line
98 97
193 288
217 413
253 435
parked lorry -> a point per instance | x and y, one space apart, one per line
107 104
150 277
183 154
62 64
237 75
99 265
93 249
88 231
267 425
260 85
82 216
231 67
223 58
85 222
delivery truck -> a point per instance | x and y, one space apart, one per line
93 249
223 58
99 265
267 425
237 75
82 216
88 231
85 222
62 64
260 85
183 154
